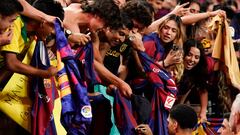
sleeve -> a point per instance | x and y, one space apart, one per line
149 45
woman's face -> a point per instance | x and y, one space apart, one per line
194 8
169 31
192 58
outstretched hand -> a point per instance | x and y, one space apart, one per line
179 10
6 37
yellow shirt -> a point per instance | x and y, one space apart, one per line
18 40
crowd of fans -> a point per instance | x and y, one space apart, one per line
179 38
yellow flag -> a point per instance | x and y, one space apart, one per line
15 101
14 98
224 49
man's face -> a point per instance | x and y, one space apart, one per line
171 126
46 31
116 37
6 22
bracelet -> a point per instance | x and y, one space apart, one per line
67 33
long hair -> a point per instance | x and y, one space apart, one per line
180 37
177 69
198 73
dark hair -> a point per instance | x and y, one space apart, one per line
106 10
205 5
10 7
230 3
50 7
126 21
230 13
139 10
199 73
184 115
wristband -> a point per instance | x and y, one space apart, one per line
68 33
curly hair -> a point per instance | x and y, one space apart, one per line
106 10
50 7
140 11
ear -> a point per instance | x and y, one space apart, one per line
175 125
236 118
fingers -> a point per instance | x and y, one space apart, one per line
127 94
52 71
125 90
6 37
174 58
179 8
79 38
143 129
184 4
85 39
136 41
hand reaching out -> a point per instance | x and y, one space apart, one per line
123 87
136 39
51 71
79 38
179 10
6 37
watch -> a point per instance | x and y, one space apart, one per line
68 33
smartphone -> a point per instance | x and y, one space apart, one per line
175 47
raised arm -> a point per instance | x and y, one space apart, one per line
178 10
32 12
193 18
106 75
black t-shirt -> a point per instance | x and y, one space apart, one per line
112 57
